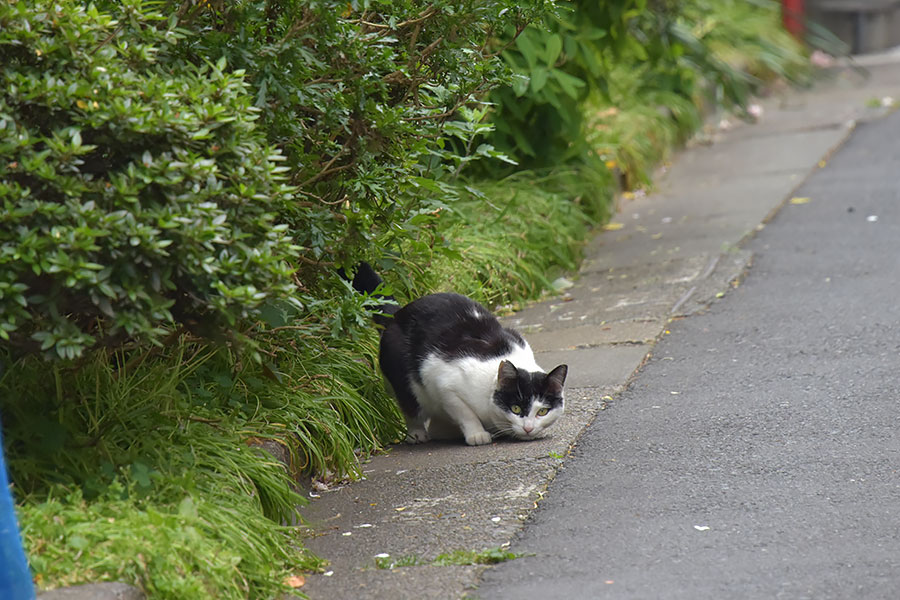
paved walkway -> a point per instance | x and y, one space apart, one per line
676 251
756 453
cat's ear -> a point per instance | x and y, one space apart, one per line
556 379
507 375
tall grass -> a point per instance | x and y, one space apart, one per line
748 36
637 125
735 47
526 231
148 468
506 241
201 547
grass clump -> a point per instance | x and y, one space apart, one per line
726 52
455 558
505 241
189 549
489 556
148 467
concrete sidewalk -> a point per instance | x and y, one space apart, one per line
677 249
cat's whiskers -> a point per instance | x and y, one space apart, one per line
507 429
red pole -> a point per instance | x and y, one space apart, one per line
793 15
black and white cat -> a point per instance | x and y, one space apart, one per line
457 372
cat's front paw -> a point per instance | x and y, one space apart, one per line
417 436
478 439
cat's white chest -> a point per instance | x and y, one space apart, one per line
468 379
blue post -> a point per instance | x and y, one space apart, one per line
15 578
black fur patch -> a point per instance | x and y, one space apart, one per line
448 324
525 387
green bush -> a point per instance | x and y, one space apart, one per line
626 81
360 96
142 186
134 194
559 63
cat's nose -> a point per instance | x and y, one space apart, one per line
528 428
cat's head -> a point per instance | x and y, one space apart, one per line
529 401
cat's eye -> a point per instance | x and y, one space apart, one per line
516 409
543 412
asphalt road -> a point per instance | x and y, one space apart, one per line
756 454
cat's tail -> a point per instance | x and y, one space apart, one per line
367 281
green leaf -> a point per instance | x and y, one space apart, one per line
538 79
520 84
528 48
553 49
569 83
272 315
